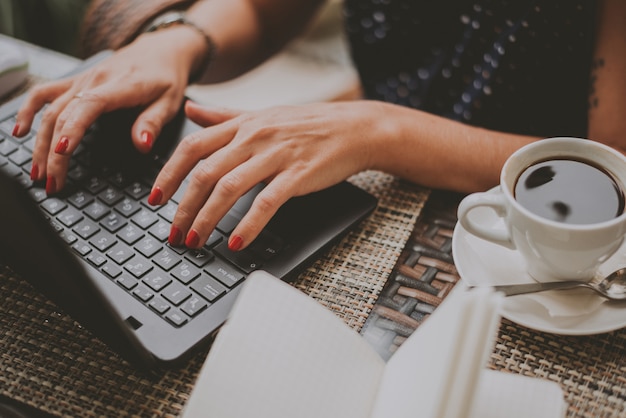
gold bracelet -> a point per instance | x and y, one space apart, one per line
172 18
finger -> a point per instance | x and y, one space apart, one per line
41 151
191 149
209 116
228 189
265 205
214 169
149 123
37 98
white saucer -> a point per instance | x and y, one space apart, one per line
482 263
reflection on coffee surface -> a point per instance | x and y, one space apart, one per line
569 191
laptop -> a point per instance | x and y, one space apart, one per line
100 251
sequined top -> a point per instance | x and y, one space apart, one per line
516 66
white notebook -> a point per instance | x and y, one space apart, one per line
281 354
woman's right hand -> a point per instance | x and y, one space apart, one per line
151 73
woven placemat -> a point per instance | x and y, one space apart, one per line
591 370
50 362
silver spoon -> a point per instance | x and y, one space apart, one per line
612 287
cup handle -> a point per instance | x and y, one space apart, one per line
493 199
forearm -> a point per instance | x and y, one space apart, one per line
607 101
246 32
437 152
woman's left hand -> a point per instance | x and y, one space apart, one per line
295 150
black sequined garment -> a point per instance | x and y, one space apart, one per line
515 65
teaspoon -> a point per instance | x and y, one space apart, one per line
612 287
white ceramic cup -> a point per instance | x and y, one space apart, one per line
552 250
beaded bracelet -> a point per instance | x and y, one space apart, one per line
172 18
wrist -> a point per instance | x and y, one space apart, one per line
202 47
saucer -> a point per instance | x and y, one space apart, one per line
566 312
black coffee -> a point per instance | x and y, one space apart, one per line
570 191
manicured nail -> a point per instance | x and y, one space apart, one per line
192 239
147 138
51 185
155 196
16 130
62 145
176 236
34 172
235 243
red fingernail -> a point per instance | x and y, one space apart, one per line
51 185
16 129
192 239
155 196
235 243
175 237
34 172
62 145
147 138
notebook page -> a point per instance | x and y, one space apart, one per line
282 354
502 394
434 372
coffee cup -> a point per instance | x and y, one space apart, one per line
561 202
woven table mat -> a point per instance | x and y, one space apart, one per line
591 370
48 361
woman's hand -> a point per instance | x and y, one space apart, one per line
143 75
295 150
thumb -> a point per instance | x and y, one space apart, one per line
209 115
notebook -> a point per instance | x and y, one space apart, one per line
100 251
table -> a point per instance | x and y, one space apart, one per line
53 366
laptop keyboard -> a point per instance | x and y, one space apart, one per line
103 215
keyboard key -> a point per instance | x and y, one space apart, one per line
96 211
137 190
86 229
7 147
20 156
111 196
157 280
148 246
95 185
81 248
111 270
224 272
53 206
208 288
166 259
103 241
193 306
68 237
227 224
176 293
138 266
159 305
168 211
130 234
113 222
176 317
96 259
80 199
145 219
127 282
185 272
70 217
128 207
160 230
143 293
120 253
199 257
